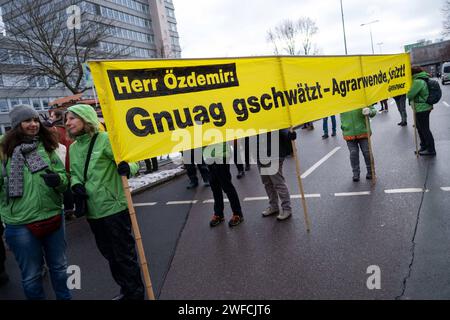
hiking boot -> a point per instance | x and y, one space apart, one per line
247 167
284 214
240 174
216 220
427 153
356 177
325 136
192 185
235 220
422 149
369 176
333 134
269 211
206 183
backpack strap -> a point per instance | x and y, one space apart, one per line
88 157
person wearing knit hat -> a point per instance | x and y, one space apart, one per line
101 189
31 202
22 112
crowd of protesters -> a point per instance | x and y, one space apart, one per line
38 178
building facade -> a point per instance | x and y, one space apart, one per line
141 29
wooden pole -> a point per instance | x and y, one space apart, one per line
138 238
300 184
415 129
297 162
372 165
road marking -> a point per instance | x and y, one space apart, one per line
182 202
405 190
212 201
445 188
446 104
255 198
144 204
349 194
311 195
318 163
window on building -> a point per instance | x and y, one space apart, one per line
36 104
4 105
170 12
14 102
1 80
45 103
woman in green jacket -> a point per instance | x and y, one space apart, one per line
31 190
419 94
356 133
107 210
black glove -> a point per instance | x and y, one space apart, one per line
51 178
79 191
292 135
123 168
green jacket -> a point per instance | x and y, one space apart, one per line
419 92
103 185
39 201
217 151
353 123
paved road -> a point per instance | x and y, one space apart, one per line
401 225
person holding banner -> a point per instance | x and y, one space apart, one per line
217 157
270 166
33 181
356 133
419 94
100 184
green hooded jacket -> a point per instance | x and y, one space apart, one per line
39 201
104 184
419 92
353 123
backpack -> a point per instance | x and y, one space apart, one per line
434 90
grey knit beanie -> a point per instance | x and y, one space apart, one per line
22 112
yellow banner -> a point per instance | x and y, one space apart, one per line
156 107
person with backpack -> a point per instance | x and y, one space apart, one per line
419 95
96 178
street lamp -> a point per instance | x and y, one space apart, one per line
343 28
370 29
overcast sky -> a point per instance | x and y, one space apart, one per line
232 28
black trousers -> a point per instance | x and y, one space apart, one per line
192 172
116 243
220 180
423 128
237 155
2 249
151 164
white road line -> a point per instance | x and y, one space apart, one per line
406 190
311 195
349 194
144 204
446 104
256 198
445 188
212 201
182 202
318 163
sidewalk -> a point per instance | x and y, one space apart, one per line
166 172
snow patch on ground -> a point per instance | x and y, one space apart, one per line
151 178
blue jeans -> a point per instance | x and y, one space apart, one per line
30 251
325 124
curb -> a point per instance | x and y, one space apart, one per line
157 183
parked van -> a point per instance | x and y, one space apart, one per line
445 75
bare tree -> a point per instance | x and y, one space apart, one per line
446 22
293 37
56 39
